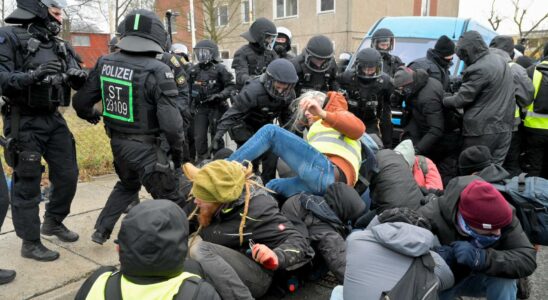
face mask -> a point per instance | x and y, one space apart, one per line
405 92
479 240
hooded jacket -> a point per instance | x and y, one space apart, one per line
487 91
494 174
512 256
426 125
322 220
265 225
436 67
250 61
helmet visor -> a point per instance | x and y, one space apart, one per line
317 64
368 71
383 44
269 41
278 89
55 3
203 55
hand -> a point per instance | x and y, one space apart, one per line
216 143
95 117
446 102
77 77
446 252
213 97
43 70
265 256
468 255
313 107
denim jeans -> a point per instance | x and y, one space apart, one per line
481 285
314 171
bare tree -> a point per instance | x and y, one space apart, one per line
6 7
518 18
215 26
494 18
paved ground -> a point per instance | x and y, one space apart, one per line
62 278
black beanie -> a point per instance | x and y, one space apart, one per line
444 46
520 48
545 53
474 159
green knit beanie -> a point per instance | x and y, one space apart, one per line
219 181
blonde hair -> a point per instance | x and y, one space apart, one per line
298 120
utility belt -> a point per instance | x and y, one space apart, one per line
339 174
143 138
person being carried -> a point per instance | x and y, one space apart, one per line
332 152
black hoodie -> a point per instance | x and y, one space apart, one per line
436 66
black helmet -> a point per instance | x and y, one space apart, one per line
280 70
368 58
383 35
262 32
206 51
318 54
142 31
27 10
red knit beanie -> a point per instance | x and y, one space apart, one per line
483 207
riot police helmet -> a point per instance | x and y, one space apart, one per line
318 54
179 49
383 40
368 64
285 35
206 51
142 31
28 10
262 32
280 78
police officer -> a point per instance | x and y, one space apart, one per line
383 41
316 66
367 88
37 71
210 84
261 101
139 96
283 43
181 50
252 59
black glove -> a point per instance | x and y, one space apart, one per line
95 117
216 143
446 252
77 77
177 158
43 70
213 97
468 255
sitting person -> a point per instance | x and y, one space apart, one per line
233 209
152 244
424 170
323 220
477 160
332 153
393 258
482 240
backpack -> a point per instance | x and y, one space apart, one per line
419 282
370 145
529 196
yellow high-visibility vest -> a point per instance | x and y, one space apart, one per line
533 119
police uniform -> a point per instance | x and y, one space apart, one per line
139 97
31 118
366 99
207 80
315 81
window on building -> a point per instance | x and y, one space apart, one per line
286 8
80 40
425 7
326 6
247 11
222 15
225 54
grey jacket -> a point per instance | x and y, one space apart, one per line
378 258
487 91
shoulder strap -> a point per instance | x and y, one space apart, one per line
113 287
189 289
423 164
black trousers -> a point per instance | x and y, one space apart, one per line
205 122
137 163
387 129
537 154
498 144
511 162
47 136
189 147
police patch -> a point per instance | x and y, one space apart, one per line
175 62
181 80
169 75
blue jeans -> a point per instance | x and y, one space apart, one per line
314 171
481 285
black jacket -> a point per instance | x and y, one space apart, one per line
209 79
326 230
317 81
394 185
512 256
426 124
265 225
250 61
487 90
436 67
494 174
390 63
181 78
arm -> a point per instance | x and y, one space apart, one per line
239 109
89 94
432 110
228 82
337 116
472 84
240 66
11 80
524 86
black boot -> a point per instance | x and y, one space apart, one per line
36 250
6 276
100 237
52 227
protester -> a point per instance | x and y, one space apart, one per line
152 246
482 240
242 236
424 170
332 153
437 61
